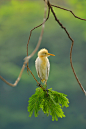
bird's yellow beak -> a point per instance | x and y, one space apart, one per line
51 54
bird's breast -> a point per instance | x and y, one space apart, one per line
44 63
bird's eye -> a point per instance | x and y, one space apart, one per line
44 53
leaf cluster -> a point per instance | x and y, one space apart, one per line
51 102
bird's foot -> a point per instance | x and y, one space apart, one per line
39 84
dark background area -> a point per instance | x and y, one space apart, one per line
17 18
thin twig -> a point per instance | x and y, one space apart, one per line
39 85
16 82
74 70
40 38
59 21
69 11
41 34
27 58
70 48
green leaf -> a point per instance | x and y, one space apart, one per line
51 102
35 102
60 98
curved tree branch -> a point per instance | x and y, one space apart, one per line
71 44
40 38
27 58
69 11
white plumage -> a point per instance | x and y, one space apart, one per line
42 64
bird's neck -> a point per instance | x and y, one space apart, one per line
44 59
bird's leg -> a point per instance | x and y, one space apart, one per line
46 84
40 81
46 87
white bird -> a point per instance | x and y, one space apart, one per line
42 65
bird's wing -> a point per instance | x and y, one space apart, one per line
48 68
37 65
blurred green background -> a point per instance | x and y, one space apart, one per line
17 18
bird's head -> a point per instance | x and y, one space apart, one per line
44 53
